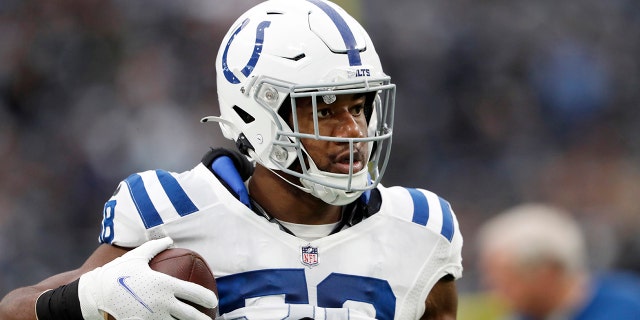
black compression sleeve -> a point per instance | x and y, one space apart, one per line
61 303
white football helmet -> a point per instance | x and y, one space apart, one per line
287 49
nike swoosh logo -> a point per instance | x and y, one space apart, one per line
132 293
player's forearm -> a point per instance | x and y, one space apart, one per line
20 304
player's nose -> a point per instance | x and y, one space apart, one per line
349 126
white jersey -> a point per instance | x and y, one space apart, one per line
382 267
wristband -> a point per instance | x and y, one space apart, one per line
59 303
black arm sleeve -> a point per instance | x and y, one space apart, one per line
61 303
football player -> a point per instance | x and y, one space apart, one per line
295 224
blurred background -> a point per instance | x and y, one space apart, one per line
498 102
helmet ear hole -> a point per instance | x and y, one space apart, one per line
243 144
245 116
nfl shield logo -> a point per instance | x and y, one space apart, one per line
309 256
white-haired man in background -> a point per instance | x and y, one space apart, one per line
533 257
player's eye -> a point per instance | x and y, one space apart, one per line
357 110
324 113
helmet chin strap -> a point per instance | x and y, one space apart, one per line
329 195
335 196
255 156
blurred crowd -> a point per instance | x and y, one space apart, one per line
498 102
509 101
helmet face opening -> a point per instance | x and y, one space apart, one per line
288 145
309 51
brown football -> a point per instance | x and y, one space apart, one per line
186 265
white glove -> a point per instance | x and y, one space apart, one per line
127 288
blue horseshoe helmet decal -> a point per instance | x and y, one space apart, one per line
257 49
353 53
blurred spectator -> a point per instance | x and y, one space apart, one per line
534 258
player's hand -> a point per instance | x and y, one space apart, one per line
127 288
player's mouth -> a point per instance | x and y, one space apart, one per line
342 162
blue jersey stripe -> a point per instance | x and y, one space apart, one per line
180 200
447 220
347 35
146 209
421 213
235 288
420 207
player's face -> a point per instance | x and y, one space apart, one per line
344 118
523 288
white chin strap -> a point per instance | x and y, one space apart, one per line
330 195
335 196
